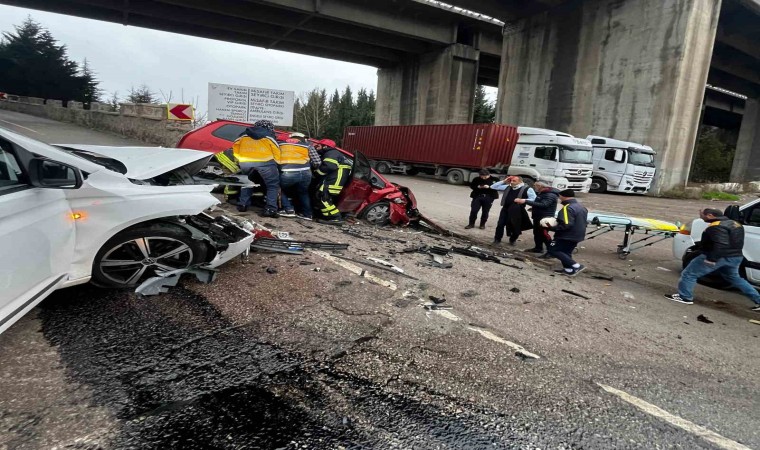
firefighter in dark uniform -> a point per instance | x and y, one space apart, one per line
332 175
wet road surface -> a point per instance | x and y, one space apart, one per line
291 352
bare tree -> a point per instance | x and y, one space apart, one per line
311 112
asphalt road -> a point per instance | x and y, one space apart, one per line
308 354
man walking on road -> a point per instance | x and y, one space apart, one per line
513 216
569 231
482 198
721 245
545 205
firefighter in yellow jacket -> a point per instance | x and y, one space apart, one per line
257 149
296 161
333 175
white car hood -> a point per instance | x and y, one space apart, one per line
143 163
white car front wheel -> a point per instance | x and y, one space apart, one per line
136 254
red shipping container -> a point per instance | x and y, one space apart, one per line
467 145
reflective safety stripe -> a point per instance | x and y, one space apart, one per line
244 159
331 160
337 185
320 172
227 162
564 210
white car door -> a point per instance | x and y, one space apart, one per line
36 238
751 221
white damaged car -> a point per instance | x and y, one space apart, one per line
111 215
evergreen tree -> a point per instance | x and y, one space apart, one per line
142 94
33 64
113 102
485 111
91 91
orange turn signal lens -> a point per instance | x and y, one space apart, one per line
684 230
77 215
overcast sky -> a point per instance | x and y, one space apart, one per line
130 56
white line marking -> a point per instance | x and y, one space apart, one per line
517 347
356 269
684 424
17 125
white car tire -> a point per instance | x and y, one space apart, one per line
138 253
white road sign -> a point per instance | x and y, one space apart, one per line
249 104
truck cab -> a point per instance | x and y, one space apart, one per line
560 159
621 166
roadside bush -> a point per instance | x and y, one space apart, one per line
715 195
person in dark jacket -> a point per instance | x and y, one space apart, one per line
332 175
722 243
569 231
545 205
482 198
513 216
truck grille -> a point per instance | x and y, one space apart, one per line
640 178
577 174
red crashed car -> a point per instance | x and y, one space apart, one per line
368 195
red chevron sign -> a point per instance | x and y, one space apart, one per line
179 111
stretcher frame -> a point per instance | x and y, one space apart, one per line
608 223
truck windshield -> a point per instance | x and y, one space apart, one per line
640 158
569 154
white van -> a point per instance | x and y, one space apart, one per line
559 159
685 245
621 166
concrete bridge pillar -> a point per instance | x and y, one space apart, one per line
746 165
434 88
630 69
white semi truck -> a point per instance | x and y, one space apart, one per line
621 166
560 159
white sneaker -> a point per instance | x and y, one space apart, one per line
679 299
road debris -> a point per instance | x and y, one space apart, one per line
469 293
385 263
373 265
515 290
437 300
566 291
437 261
663 269
161 283
627 295
603 277
703 318
435 307
756 322
271 270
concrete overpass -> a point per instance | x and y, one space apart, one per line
632 69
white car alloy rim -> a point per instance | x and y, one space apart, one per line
129 261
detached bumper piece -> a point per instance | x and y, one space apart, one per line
294 247
160 284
